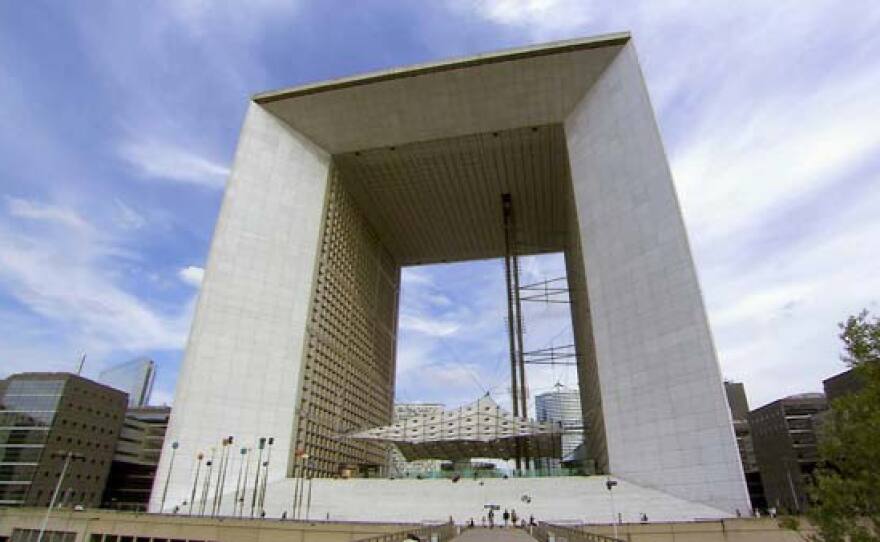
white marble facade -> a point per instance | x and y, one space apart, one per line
666 421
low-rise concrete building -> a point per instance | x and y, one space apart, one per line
136 458
784 435
842 384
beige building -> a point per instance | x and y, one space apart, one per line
93 525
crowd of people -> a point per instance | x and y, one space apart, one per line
509 517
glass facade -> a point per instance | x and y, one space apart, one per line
134 378
27 409
563 406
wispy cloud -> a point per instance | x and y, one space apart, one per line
70 277
428 326
768 116
156 160
128 218
32 210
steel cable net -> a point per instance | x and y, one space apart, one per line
479 429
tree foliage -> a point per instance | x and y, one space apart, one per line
846 489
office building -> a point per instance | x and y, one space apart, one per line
44 417
136 457
562 406
134 377
338 185
784 436
397 464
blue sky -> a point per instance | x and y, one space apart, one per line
119 121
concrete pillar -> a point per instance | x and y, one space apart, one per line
666 422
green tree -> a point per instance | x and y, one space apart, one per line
846 489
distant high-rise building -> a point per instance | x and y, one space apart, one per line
136 458
45 416
562 406
784 436
736 400
397 463
134 377
739 412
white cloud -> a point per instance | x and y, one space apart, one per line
540 19
428 326
192 275
70 280
767 111
164 161
32 210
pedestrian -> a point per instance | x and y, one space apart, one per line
513 517
492 518
506 517
532 521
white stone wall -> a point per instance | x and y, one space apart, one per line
563 499
240 373
667 424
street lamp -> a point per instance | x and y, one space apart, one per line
174 446
609 484
67 457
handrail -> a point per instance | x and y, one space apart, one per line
547 532
444 532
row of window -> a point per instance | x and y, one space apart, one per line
10 418
101 537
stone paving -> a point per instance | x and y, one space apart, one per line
498 534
